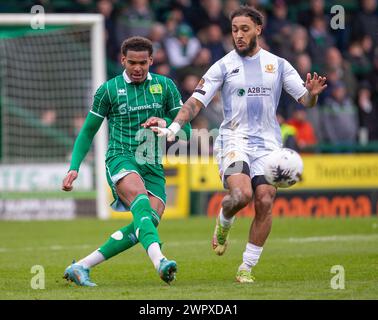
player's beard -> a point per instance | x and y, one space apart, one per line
250 48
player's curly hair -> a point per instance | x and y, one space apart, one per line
137 44
247 11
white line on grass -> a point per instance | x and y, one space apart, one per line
330 238
338 238
48 248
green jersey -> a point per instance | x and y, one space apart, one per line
127 105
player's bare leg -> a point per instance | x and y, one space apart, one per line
240 194
126 238
259 231
131 190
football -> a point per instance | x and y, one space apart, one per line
283 168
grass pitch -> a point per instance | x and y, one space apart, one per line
296 262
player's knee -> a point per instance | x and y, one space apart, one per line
241 197
264 202
130 193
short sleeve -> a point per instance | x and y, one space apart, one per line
292 82
209 84
101 102
173 98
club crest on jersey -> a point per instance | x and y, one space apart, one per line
270 68
156 89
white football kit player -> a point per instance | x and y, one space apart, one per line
250 89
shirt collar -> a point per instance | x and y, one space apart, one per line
127 79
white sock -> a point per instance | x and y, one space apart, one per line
92 260
251 256
155 254
224 221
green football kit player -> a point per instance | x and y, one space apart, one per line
131 102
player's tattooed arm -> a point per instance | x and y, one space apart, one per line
308 100
314 85
188 111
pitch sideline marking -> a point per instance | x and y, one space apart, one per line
330 238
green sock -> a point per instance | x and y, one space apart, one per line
143 226
123 239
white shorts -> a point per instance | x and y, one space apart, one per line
229 151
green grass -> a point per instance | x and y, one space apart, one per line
296 262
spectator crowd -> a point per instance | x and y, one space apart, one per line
190 35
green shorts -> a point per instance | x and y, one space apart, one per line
152 176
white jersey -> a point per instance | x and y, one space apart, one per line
251 89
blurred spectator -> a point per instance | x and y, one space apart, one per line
77 124
319 41
49 117
287 104
230 6
84 5
157 36
201 135
157 33
305 135
187 7
303 65
135 20
189 83
210 12
214 112
367 46
360 63
288 133
278 27
297 44
372 121
182 48
199 66
339 117
337 67
214 42
366 21
175 17
368 113
258 4
316 9
106 8
163 69
348 58
160 55
78 6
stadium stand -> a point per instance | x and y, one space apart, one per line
294 29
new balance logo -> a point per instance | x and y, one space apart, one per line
235 71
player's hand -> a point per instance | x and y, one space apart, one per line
161 132
154 121
68 180
316 84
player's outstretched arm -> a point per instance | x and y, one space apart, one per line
81 147
314 85
187 113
